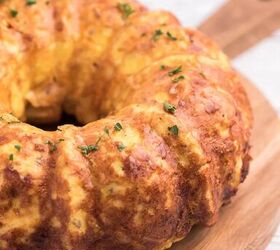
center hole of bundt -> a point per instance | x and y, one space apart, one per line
65 119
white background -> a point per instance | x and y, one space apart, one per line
261 64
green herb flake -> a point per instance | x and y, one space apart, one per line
13 12
61 140
171 37
162 67
169 107
88 149
106 130
121 147
178 79
175 71
118 127
52 146
11 157
174 130
31 2
125 9
157 34
18 148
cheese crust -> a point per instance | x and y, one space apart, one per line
168 126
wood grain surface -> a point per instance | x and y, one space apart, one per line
240 24
249 222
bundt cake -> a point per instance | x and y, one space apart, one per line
166 140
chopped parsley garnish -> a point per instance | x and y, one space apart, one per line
169 107
174 130
175 71
85 150
13 12
162 67
157 34
31 2
121 147
52 146
18 148
118 127
178 79
171 37
88 149
11 157
106 130
126 10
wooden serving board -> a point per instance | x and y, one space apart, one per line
239 24
248 223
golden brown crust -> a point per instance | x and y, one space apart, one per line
172 150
